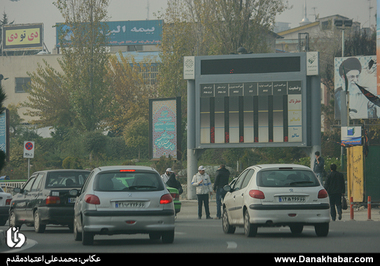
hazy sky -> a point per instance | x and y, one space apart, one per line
43 11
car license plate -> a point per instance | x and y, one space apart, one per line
129 204
291 199
71 200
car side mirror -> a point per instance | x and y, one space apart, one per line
227 188
74 192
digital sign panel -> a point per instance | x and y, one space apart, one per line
251 112
254 101
250 65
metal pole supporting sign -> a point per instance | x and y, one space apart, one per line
28 153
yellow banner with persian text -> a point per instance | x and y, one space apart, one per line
355 180
22 37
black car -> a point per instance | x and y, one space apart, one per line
45 199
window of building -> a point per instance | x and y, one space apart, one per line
22 84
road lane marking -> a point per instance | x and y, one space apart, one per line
231 244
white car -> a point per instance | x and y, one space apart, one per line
276 195
123 200
5 201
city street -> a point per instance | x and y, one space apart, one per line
194 235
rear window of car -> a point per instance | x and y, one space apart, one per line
125 181
286 178
64 179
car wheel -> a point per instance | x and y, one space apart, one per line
227 228
87 238
13 221
39 227
154 236
77 235
71 227
322 229
168 237
296 228
250 230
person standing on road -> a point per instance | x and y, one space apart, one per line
319 166
173 182
221 179
165 177
202 182
335 188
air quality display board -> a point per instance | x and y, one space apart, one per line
251 112
251 106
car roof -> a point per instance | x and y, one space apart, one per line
62 170
126 167
279 167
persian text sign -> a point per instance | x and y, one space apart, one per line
23 37
119 33
164 115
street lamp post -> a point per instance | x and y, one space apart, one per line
344 96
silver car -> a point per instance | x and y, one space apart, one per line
123 200
276 195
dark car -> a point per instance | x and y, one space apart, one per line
45 199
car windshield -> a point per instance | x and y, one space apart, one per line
71 179
286 178
128 181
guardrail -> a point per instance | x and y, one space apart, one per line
8 186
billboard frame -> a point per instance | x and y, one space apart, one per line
311 99
178 127
298 76
23 28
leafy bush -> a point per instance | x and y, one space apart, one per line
71 163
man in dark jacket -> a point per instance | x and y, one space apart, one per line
319 166
221 179
336 189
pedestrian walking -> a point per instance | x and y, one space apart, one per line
221 179
319 166
202 182
335 188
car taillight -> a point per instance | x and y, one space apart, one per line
257 194
8 201
128 170
166 199
322 194
175 195
92 199
53 200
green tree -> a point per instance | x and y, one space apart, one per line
84 59
130 93
94 143
136 135
49 98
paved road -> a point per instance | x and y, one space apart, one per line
193 235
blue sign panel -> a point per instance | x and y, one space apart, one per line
121 33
